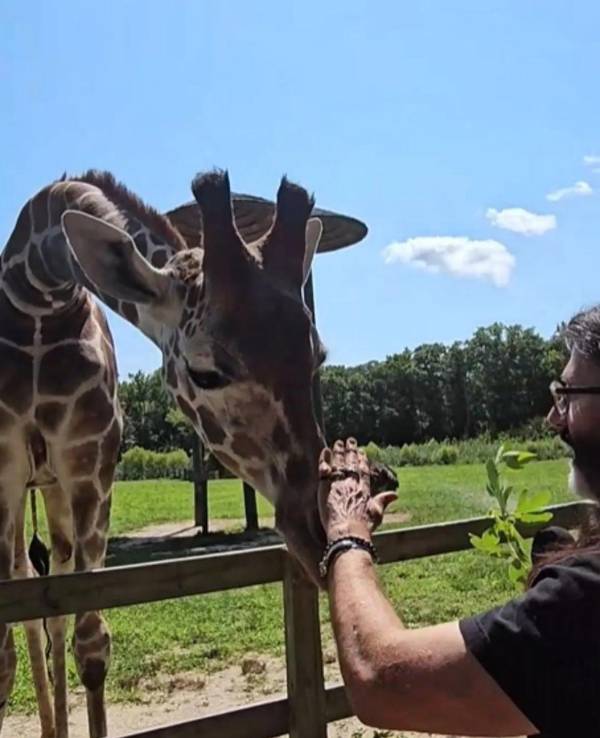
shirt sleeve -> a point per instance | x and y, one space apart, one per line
543 648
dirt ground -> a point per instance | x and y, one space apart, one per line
190 695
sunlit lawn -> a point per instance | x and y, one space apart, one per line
210 631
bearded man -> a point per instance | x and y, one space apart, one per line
529 667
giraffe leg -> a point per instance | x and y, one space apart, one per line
34 632
91 639
60 525
8 656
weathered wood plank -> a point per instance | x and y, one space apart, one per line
336 703
431 540
304 660
129 585
260 720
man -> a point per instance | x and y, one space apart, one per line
530 667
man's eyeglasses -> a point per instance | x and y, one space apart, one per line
562 392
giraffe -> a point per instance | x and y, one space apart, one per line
239 353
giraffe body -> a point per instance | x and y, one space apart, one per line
239 353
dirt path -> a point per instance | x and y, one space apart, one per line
189 695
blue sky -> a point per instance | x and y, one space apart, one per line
432 121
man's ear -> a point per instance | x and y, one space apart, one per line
111 261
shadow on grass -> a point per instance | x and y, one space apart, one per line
123 550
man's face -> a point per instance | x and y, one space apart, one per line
579 426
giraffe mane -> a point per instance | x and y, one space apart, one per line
129 201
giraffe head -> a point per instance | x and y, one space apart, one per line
239 347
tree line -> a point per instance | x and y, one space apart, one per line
497 381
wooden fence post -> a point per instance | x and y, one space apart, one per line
305 680
200 487
250 507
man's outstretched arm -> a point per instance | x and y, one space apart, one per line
422 679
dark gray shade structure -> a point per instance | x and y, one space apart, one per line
254 215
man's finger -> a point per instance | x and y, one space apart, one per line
385 499
352 464
363 467
338 457
325 461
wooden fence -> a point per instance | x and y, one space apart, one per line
310 705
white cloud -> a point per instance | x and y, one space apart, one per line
456 255
521 221
591 160
579 189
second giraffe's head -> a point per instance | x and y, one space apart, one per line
239 347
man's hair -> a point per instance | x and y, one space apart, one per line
582 332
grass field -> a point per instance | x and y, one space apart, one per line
207 632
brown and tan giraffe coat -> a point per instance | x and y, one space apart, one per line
239 352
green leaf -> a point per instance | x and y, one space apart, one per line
499 454
493 477
516 574
491 491
517 459
533 501
487 543
535 517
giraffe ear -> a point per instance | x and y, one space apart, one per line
110 260
314 231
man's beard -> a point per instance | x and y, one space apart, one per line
585 467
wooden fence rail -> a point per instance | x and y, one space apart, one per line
309 705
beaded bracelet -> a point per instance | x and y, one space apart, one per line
340 545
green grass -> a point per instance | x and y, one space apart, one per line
208 632
428 493
138 504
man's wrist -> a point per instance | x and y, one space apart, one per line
347 528
353 560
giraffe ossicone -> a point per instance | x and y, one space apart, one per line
239 354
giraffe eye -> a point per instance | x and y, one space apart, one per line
208 380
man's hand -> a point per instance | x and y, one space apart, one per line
346 505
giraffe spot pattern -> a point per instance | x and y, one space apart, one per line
6 419
5 456
16 378
50 415
39 212
187 409
92 413
227 461
111 443
15 326
214 433
296 472
86 501
130 312
64 368
81 459
281 438
62 548
244 447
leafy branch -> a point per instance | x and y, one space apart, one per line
502 539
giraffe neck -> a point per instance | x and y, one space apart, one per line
39 274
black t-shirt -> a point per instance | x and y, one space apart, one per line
543 648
